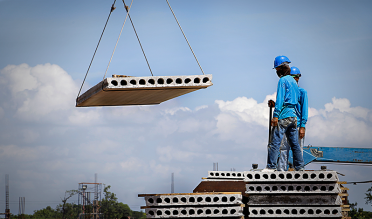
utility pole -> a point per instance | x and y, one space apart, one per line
172 183
7 210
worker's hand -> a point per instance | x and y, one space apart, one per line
274 121
302 132
271 103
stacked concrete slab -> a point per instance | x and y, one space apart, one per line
195 205
120 90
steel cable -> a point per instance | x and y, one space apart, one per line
185 37
111 10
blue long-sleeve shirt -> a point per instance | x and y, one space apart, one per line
302 108
287 97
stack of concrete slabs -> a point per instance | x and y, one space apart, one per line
121 91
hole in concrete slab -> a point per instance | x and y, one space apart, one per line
275 188
257 176
167 212
233 174
267 188
283 188
184 212
208 211
250 176
232 211
326 211
187 80
151 81
225 211
158 200
208 199
329 175
286 211
239 174
158 212
191 211
298 188
205 80
297 175
270 211
331 188
212 174
273 176
216 199
200 211
281 176
251 188
278 211
151 212
307 188
227 174
175 200
196 80
302 211
160 81
191 199
167 200
232 198
265 176
310 211
321 176
169 80
294 211
323 188
313 175
183 199
134 82
114 82
224 199
175 212
123 82
254 211
222 174
151 200
142 82
216 211
217 174
262 211
335 211
200 199
305 176
258 188
178 81
289 176
290 188
315 188
318 211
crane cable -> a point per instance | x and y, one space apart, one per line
185 37
118 38
111 10
126 8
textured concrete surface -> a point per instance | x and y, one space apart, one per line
293 199
121 91
293 188
226 211
194 199
295 212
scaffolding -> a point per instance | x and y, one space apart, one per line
89 199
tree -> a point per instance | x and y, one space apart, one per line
68 194
46 213
138 215
108 203
368 197
358 213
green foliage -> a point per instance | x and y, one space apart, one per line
358 213
111 208
368 197
138 215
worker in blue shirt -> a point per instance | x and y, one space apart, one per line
284 120
302 114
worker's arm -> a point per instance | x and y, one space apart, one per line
279 102
304 112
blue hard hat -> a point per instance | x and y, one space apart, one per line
279 60
295 71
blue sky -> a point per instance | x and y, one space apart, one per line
48 146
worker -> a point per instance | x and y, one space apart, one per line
284 120
302 114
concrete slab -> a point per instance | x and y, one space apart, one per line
197 212
295 212
121 91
